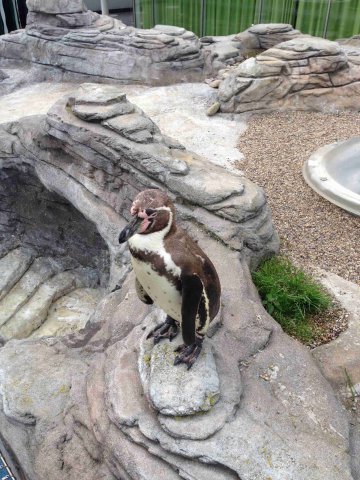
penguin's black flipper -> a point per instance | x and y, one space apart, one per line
143 296
192 289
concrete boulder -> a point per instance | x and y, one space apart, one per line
60 6
66 37
305 73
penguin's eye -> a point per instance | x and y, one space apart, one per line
150 212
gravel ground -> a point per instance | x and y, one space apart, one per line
313 231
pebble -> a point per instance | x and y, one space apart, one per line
215 107
215 83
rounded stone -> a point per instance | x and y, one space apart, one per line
60 6
174 390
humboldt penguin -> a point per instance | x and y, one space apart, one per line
172 272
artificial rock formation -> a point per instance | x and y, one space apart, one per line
305 73
65 39
49 252
97 150
106 403
67 36
221 52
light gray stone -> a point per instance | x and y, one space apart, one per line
3 75
73 20
63 39
99 95
302 71
215 107
40 270
175 391
131 124
339 360
55 7
70 313
170 30
36 20
270 28
13 266
32 315
184 173
92 113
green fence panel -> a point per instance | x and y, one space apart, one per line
143 10
330 18
344 19
311 17
226 17
182 13
278 11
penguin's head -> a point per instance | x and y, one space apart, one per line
152 211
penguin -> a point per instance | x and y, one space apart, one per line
172 272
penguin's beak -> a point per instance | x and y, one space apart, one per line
130 229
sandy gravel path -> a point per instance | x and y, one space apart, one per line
313 231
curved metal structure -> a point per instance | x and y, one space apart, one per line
333 172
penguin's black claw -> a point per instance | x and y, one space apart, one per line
188 355
168 329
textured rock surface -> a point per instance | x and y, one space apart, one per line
29 317
274 426
48 249
305 73
131 146
75 407
66 37
73 42
177 391
339 359
268 35
60 6
3 75
224 51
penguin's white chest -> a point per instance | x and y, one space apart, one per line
163 293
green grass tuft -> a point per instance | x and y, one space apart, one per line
290 296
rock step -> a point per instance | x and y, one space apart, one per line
32 315
70 313
12 267
41 270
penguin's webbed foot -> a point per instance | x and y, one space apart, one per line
169 329
188 354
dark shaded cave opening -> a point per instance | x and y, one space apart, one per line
32 216
54 264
